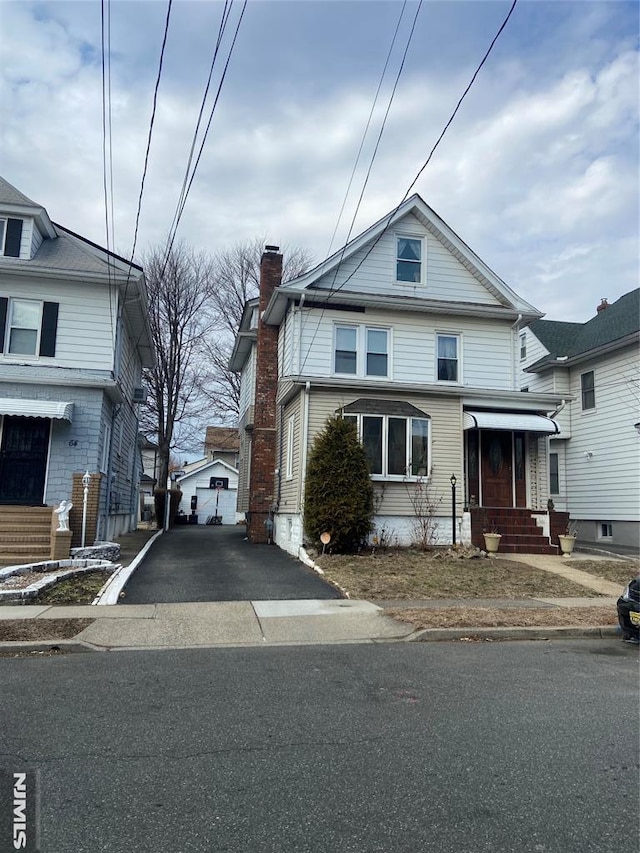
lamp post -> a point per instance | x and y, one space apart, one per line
453 482
86 479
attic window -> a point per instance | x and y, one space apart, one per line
10 237
409 259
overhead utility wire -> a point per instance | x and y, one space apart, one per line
107 147
366 130
226 12
431 153
367 176
151 123
183 201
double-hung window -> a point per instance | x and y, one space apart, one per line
587 387
523 346
361 351
28 327
554 474
448 358
291 428
409 260
346 352
24 326
396 447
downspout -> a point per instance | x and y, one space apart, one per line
300 306
116 412
304 440
514 350
279 468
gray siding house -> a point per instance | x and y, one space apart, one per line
74 339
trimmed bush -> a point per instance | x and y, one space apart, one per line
338 491
159 498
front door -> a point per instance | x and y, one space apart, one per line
23 460
497 469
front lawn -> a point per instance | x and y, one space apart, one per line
412 574
616 571
511 617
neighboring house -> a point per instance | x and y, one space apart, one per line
411 336
222 443
210 490
149 477
594 463
74 338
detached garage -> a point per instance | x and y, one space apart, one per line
213 488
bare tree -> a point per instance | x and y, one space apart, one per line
179 288
236 277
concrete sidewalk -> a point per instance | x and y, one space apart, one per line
302 621
225 623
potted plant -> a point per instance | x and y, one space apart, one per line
492 539
567 540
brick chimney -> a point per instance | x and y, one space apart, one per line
603 305
262 485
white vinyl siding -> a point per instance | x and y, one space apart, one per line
85 329
36 240
248 383
485 347
445 277
603 454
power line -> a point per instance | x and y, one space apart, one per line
332 290
151 123
366 130
226 12
371 162
182 202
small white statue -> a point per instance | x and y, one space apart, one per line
63 515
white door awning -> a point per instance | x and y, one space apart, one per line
512 421
36 408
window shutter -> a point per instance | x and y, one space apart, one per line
49 329
4 302
13 238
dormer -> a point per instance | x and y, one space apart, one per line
24 224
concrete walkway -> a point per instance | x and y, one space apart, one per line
231 623
562 566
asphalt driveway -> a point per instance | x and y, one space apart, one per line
200 563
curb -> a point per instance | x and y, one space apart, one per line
64 646
110 592
542 633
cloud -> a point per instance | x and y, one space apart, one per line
538 174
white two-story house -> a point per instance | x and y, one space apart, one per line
594 462
410 335
74 338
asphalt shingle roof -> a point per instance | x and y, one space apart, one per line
10 195
618 320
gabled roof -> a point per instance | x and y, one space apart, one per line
508 302
567 343
12 201
205 467
10 196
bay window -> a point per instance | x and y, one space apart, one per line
396 447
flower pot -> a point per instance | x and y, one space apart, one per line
566 544
491 542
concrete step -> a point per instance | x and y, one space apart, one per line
27 539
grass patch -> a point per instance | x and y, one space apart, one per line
485 617
79 590
616 571
20 630
410 574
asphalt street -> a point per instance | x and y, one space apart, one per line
389 748
200 563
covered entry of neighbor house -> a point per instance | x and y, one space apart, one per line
496 455
24 450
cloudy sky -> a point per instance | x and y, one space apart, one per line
538 174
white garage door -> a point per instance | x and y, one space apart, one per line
226 504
